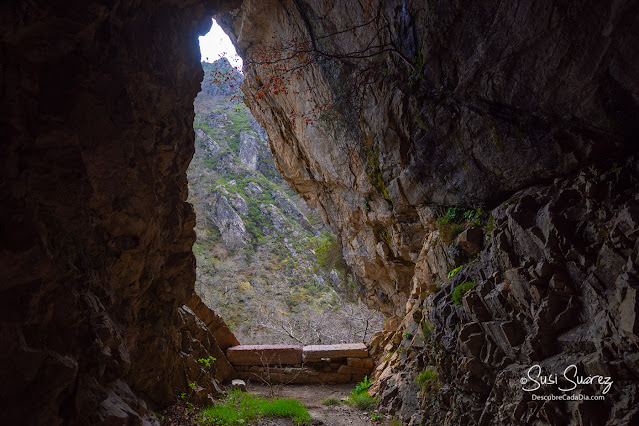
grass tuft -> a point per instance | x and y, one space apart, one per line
460 290
427 381
362 401
331 401
360 398
241 408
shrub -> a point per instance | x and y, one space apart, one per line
360 398
328 253
456 219
460 290
362 401
331 401
427 381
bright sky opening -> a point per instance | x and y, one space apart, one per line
216 44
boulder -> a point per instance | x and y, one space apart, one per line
343 350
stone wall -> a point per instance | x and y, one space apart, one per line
315 364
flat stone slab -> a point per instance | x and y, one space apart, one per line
263 355
343 350
293 375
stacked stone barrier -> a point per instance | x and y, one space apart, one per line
314 364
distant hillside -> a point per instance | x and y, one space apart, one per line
265 261
220 78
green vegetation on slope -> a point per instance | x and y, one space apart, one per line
460 290
288 283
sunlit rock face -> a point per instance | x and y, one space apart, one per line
467 104
96 265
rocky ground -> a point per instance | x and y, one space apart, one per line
312 396
309 395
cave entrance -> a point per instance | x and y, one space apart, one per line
265 260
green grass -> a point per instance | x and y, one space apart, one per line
454 271
241 119
427 381
360 398
331 401
241 408
362 401
460 290
456 219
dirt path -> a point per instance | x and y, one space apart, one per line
312 396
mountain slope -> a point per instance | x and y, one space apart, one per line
266 263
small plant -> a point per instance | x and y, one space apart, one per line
427 381
395 422
183 395
455 271
192 384
331 401
490 225
362 386
377 417
360 398
456 219
362 401
408 335
460 290
207 361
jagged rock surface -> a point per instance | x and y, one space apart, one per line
555 283
465 105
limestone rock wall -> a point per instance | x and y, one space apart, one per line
391 112
463 103
96 236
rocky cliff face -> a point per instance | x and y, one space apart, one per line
388 114
96 235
